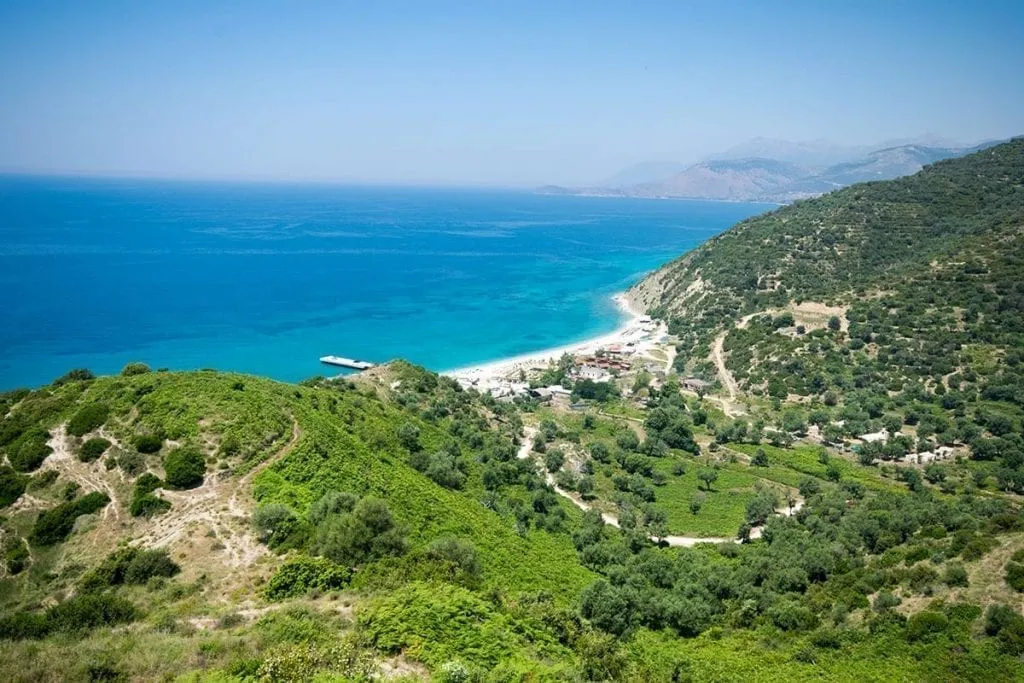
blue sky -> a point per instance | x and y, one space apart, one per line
486 92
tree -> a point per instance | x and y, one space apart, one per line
708 475
409 436
184 467
833 473
809 486
760 458
834 323
554 459
134 369
760 508
368 532
696 502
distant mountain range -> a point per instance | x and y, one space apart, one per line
771 171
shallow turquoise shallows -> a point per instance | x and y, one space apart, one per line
267 278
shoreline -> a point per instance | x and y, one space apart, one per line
504 367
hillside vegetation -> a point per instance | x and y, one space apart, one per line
222 527
895 305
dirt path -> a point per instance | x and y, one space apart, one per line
526 449
718 356
91 476
222 504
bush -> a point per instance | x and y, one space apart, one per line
331 503
30 452
54 525
82 612
303 574
792 616
16 555
554 459
276 524
42 480
134 369
148 443
93 449
12 485
76 375
133 566
1015 576
1005 624
148 505
367 532
924 625
184 468
446 470
88 418
460 553
955 575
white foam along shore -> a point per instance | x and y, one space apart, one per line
631 330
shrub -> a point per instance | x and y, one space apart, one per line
303 574
12 485
460 553
367 532
409 436
143 502
885 600
955 575
924 625
54 525
93 449
342 660
16 555
977 547
275 524
88 611
134 369
445 469
331 503
148 443
76 375
1005 624
148 505
88 418
554 459
30 452
82 612
134 566
42 480
1015 576
184 468
792 616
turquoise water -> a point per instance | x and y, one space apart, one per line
267 278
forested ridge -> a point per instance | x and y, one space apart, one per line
896 305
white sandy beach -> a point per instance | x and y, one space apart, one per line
631 330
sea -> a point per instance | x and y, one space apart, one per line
267 278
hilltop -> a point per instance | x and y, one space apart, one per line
773 172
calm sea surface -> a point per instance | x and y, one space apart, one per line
267 278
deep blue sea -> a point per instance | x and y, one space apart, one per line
266 278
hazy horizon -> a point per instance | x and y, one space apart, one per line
491 95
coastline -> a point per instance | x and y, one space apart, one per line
505 368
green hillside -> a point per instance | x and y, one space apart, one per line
896 304
222 527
